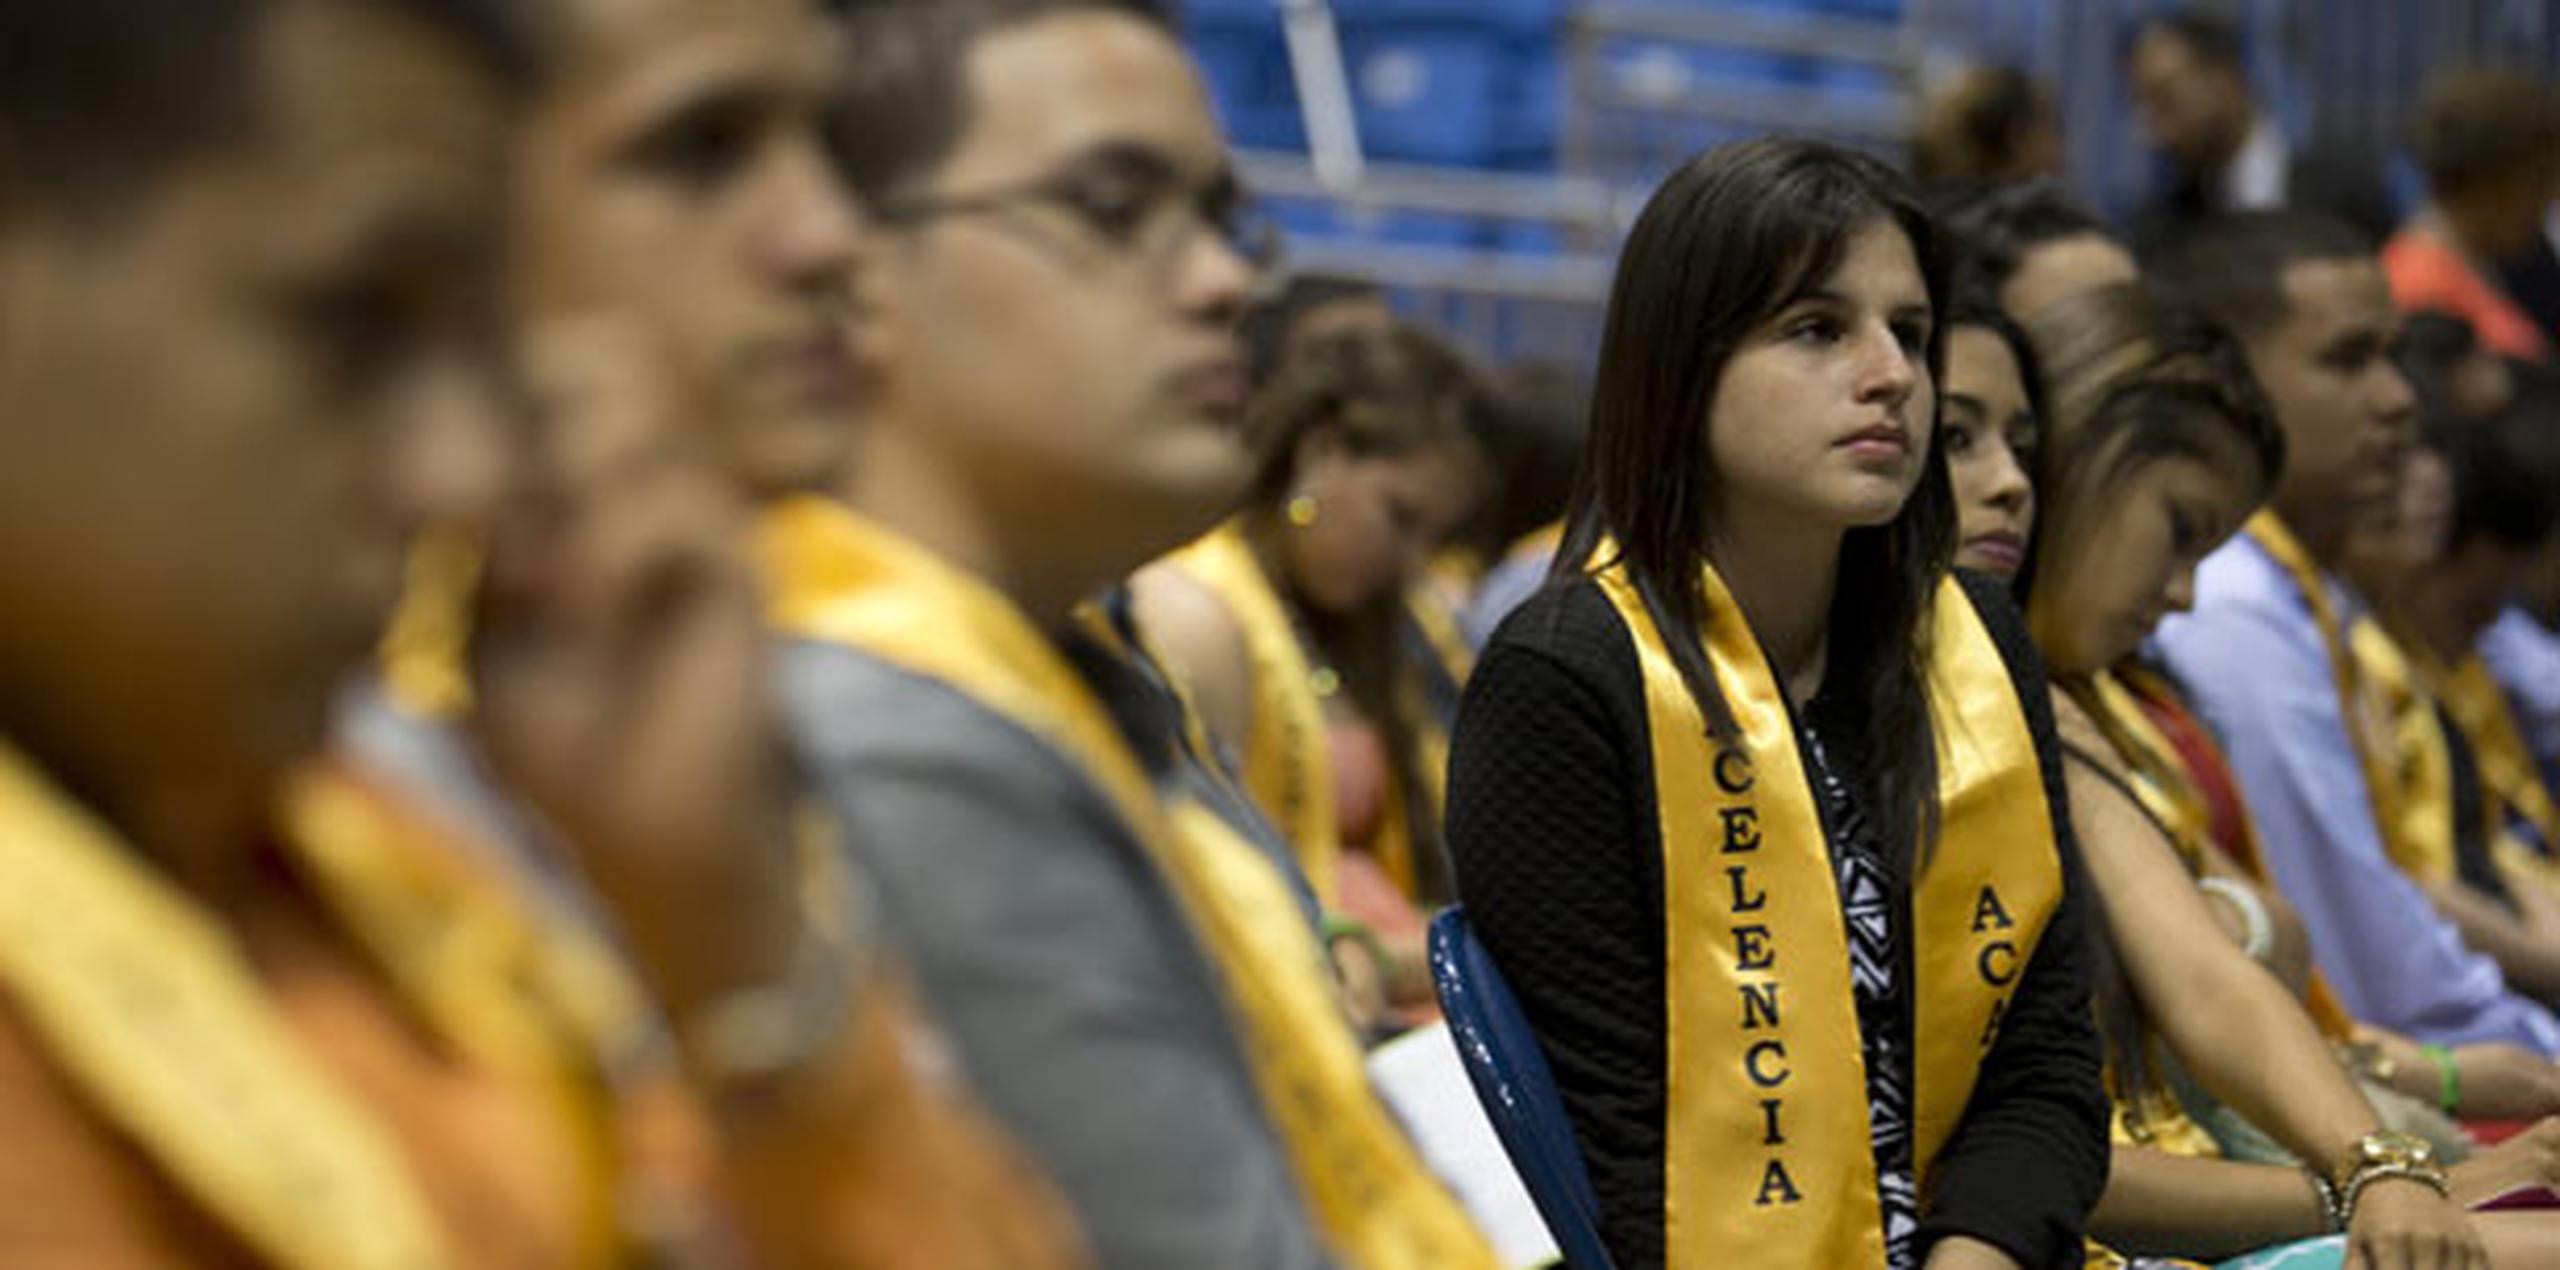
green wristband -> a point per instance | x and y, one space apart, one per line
2448 1077
1339 926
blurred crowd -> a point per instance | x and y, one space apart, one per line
769 633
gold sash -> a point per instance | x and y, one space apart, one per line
2416 767
153 1011
2510 789
1287 768
2159 1121
837 578
1288 760
2406 774
2472 696
535 998
423 656
2159 778
1770 1158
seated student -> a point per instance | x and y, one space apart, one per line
1994 389
1056 396
2478 818
1716 730
2034 245
657 332
2264 654
2160 443
2522 648
1288 627
262 1009
2490 143
2187 71
1990 408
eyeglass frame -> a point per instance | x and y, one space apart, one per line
1237 220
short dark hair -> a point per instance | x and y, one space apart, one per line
1994 230
2482 125
2211 38
2234 266
902 104
2432 349
100 97
2506 475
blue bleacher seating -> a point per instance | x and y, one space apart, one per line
1246 63
1428 91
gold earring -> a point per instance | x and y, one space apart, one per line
1302 510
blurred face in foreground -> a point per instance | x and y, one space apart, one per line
211 406
672 175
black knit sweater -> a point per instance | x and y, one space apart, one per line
1553 824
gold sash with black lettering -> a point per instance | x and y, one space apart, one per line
153 1011
1770 1157
837 578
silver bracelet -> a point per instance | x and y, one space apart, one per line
2258 934
2333 1211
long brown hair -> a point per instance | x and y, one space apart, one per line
1385 394
1725 246
2133 375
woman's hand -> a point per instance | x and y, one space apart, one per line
2531 1158
2400 1224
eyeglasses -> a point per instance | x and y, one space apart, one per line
1129 199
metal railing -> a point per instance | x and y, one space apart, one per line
2344 69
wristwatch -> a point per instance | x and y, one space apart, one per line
2384 1148
2375 1157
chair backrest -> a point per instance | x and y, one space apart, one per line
1518 1091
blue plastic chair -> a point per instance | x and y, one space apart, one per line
1519 1094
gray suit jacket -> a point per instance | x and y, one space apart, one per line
1055 958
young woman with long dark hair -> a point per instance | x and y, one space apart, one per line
1760 811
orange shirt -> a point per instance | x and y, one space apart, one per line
2428 274
499 1169
868 1159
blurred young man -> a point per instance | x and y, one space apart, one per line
1046 332
2265 657
265 1008
245 249
2190 81
681 253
